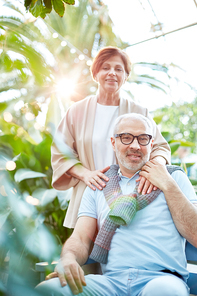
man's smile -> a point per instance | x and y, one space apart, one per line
134 155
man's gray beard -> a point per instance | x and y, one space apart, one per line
131 166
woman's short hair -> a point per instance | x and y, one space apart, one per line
104 54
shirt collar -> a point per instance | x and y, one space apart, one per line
121 176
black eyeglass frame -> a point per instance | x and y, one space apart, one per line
120 135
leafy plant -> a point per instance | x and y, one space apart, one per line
43 7
24 238
31 213
180 120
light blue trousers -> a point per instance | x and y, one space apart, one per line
133 282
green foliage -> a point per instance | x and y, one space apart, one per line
179 124
175 144
24 238
153 74
44 7
176 160
31 213
180 120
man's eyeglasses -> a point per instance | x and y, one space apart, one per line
127 138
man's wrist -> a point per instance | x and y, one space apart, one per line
68 256
168 185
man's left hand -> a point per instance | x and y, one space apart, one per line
155 172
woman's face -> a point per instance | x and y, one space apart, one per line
111 75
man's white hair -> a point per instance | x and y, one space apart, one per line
132 116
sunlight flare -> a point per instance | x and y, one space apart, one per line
65 87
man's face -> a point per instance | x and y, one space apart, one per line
132 157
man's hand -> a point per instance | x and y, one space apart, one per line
156 173
71 273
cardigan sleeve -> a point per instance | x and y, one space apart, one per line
160 145
64 154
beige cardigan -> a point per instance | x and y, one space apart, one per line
76 130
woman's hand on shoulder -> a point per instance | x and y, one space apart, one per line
93 179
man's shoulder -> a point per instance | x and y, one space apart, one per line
92 193
179 175
92 203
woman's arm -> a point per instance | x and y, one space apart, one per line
161 149
67 168
91 178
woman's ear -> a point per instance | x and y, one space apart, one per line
126 77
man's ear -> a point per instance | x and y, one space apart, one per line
113 143
152 140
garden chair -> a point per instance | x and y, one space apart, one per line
191 255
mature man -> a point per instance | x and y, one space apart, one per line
144 254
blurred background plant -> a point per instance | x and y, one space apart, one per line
24 238
179 123
44 68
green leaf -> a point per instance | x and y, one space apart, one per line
47 4
3 289
166 135
43 151
45 196
58 6
174 147
3 106
193 181
27 3
158 119
184 143
63 198
47 8
189 164
3 217
36 9
70 2
17 130
13 145
23 174
41 243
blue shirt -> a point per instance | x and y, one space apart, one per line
151 241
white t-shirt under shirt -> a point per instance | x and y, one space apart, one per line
103 130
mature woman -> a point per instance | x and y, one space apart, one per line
87 128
